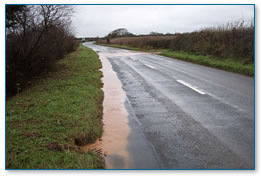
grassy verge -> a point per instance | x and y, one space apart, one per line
224 64
44 122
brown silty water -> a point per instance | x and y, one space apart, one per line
114 141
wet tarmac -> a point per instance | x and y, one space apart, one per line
120 144
178 115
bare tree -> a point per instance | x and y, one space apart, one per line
33 31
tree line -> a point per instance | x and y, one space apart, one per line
36 37
234 40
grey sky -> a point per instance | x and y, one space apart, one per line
99 20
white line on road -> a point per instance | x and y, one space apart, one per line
133 59
193 88
150 66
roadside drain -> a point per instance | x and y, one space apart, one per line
114 141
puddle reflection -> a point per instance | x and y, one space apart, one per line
114 140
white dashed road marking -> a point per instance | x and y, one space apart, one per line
150 66
133 59
190 86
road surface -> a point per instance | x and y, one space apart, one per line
195 117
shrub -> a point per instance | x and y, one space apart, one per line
233 40
36 36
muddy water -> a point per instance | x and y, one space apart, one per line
114 141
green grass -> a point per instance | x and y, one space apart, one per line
232 65
65 104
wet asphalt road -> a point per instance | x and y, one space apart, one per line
193 117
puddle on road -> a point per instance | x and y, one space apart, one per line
114 140
127 54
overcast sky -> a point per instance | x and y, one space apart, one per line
98 20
